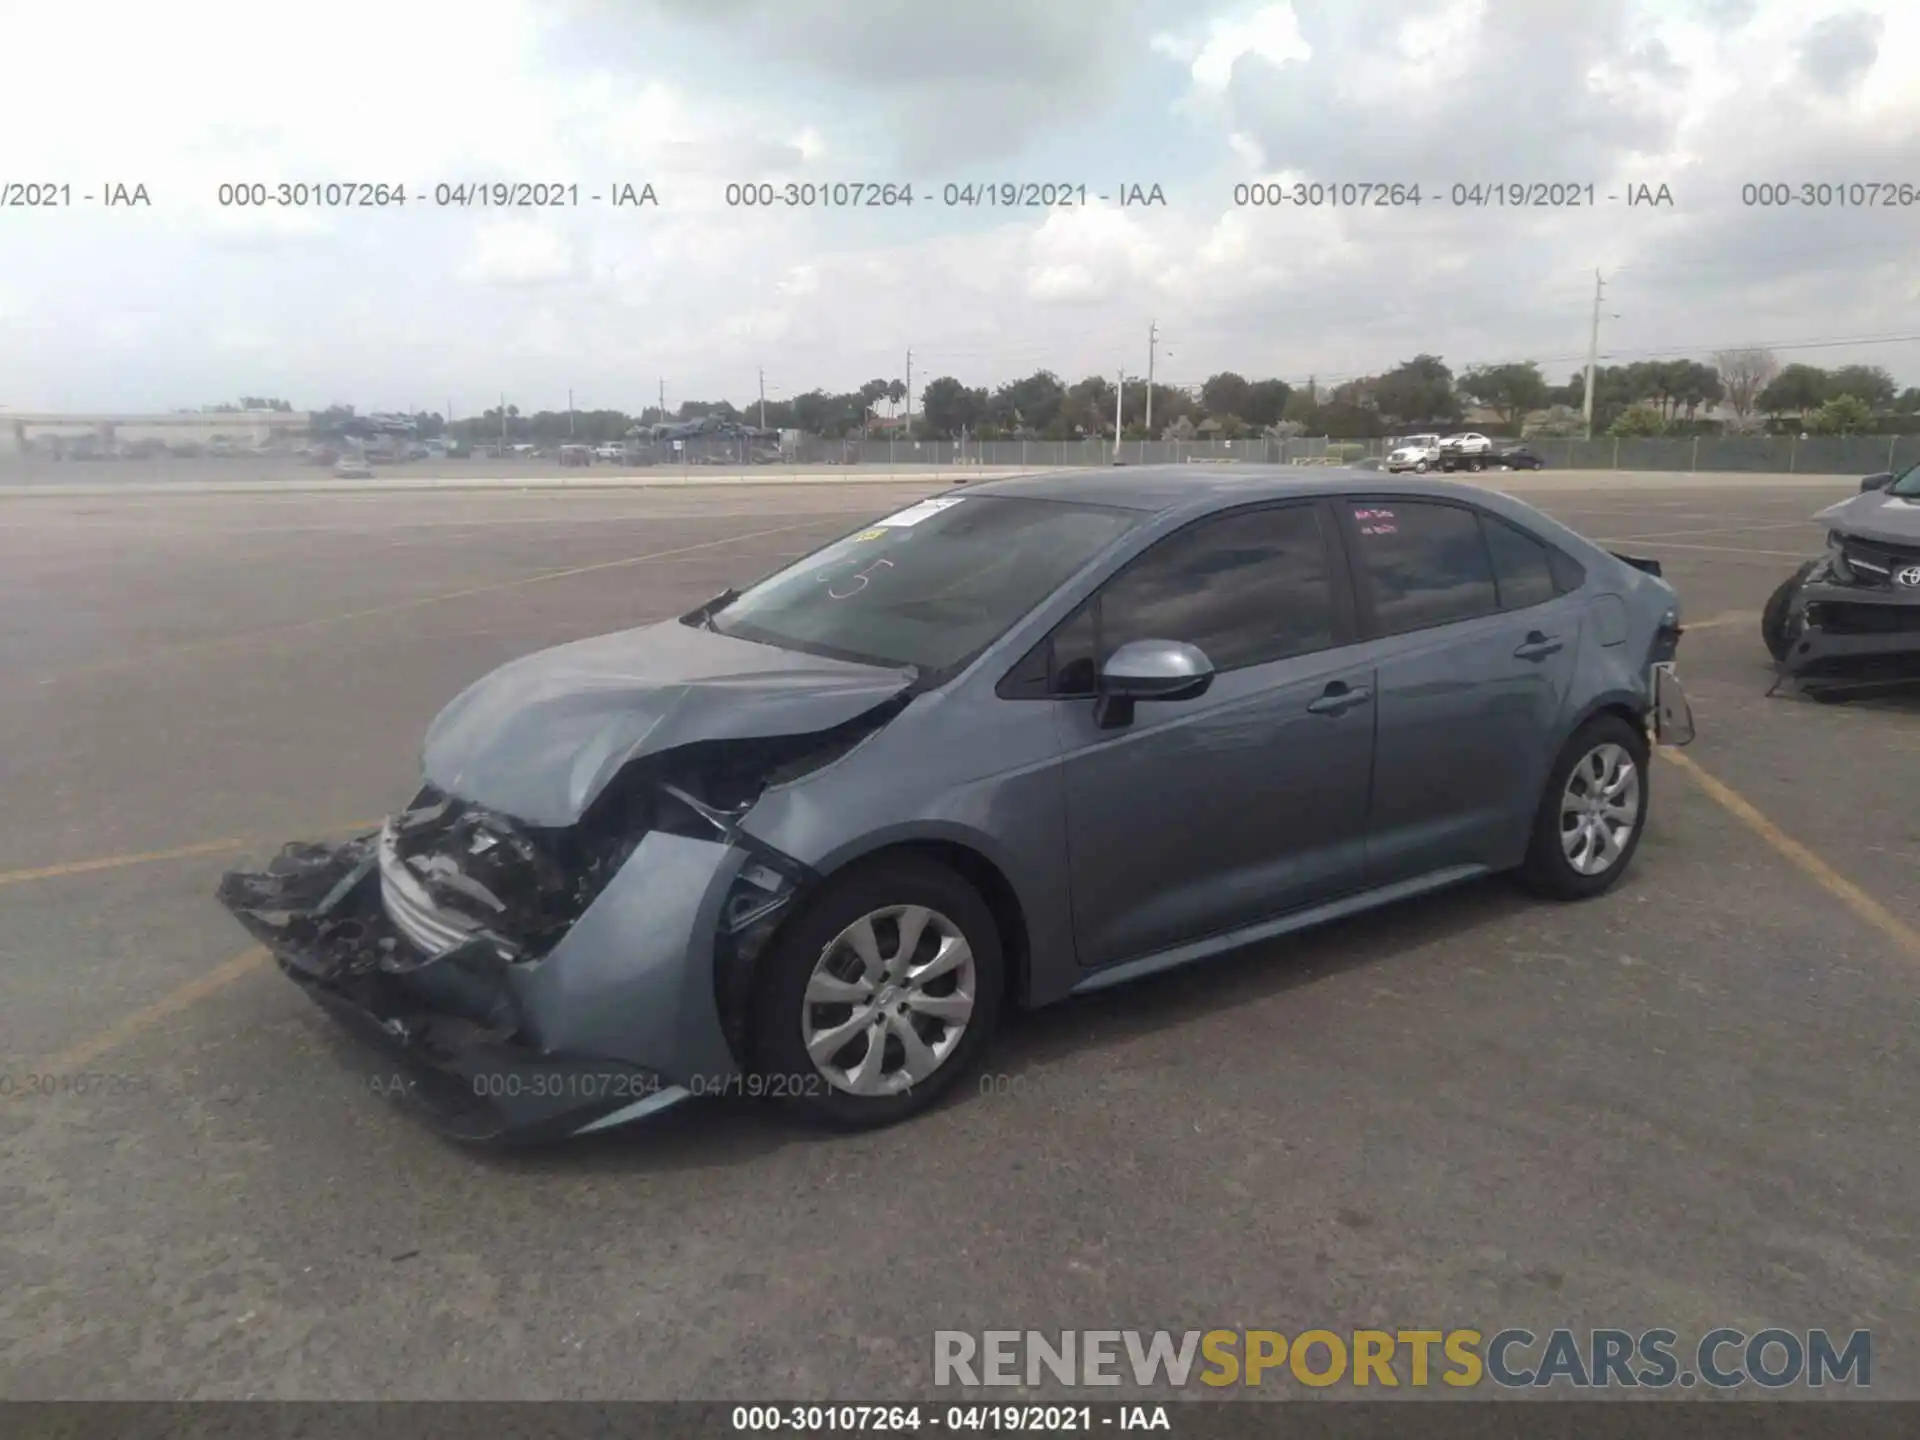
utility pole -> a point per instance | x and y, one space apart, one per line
1593 348
763 397
909 383
570 414
663 401
503 424
1153 332
1119 392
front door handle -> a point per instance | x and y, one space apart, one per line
1537 646
1338 698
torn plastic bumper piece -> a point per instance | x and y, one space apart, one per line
618 1020
1845 633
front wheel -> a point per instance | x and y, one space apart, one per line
881 996
1420 467
1592 812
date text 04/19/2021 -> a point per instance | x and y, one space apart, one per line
963 1419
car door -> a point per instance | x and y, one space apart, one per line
1206 814
1473 641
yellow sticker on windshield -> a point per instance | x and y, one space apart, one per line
870 535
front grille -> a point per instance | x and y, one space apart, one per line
413 912
1837 618
1874 562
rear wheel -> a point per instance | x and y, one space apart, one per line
1592 812
1776 627
881 997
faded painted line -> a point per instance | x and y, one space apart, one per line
399 606
1712 530
79 1056
1809 864
148 857
1743 550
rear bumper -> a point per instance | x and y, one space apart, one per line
618 1021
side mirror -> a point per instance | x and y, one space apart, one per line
1148 670
1876 482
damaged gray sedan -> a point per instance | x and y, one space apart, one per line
1007 745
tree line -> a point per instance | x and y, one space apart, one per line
1738 390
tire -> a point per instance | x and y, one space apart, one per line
1779 610
1420 467
1594 751
814 955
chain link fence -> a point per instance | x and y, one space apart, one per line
1769 454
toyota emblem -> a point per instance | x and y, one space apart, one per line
1909 577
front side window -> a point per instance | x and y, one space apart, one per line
931 586
1907 486
1245 589
1424 564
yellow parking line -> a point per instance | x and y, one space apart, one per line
145 857
78 1056
1730 617
1803 859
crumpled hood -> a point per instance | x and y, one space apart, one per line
542 736
1876 515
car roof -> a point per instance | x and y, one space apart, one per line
1160 489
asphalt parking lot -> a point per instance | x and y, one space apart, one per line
1688 1104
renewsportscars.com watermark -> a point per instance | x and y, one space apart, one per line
1722 1359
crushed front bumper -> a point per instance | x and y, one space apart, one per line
618 1020
1842 633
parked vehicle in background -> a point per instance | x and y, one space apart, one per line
610 454
1518 458
353 467
1850 621
575 455
1414 452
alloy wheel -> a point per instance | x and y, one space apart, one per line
888 1001
1599 808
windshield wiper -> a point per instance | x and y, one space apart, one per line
704 615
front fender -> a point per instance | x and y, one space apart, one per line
633 979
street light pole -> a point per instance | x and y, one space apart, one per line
1153 331
1593 349
1119 393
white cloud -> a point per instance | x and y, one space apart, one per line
519 252
1271 33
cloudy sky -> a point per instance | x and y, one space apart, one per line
188 302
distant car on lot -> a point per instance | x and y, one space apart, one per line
576 455
1518 458
611 454
353 467
1418 453
1008 745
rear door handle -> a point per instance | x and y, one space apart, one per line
1339 698
1538 646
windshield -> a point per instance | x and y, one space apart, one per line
931 586
1907 487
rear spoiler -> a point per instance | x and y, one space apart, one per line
1638 562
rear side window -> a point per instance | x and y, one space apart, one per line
1522 565
1423 564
